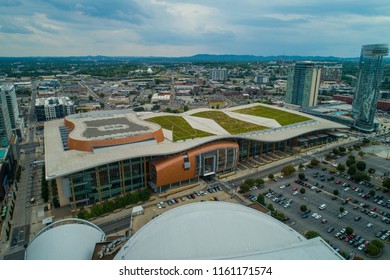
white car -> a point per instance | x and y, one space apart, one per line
282 186
316 216
286 205
295 193
369 225
322 206
361 247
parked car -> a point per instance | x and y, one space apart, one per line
322 206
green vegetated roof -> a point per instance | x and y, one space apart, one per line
180 128
231 125
282 117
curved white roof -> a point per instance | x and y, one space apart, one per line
219 230
65 241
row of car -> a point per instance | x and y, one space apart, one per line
353 239
383 234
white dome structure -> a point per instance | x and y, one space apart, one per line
219 230
69 239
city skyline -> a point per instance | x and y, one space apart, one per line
172 28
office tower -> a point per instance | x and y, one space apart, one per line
367 90
303 81
5 120
218 74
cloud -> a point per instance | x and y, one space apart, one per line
176 27
13 29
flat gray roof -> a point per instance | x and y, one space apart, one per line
105 127
221 230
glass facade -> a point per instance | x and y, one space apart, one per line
107 181
302 84
367 90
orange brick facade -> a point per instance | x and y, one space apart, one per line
171 169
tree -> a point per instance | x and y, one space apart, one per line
377 243
301 166
301 176
250 182
311 234
350 162
314 162
328 157
352 157
372 192
341 209
371 170
336 192
259 182
348 230
341 167
185 109
270 207
352 170
350 149
260 199
372 250
386 183
342 149
90 98
361 165
303 208
366 141
335 151
361 154
359 175
271 176
288 170
244 188
302 191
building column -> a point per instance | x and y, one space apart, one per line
248 150
146 182
261 149
123 178
98 184
73 195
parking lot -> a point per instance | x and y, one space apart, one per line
367 216
213 192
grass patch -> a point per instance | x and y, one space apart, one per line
181 129
231 125
282 117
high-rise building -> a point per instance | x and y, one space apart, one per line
5 120
367 90
218 74
16 119
53 108
303 82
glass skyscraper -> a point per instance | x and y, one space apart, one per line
367 90
303 82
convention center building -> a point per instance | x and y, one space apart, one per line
99 155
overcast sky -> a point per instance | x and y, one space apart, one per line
189 27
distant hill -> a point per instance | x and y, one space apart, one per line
213 58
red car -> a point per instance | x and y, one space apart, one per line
338 182
295 189
373 209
